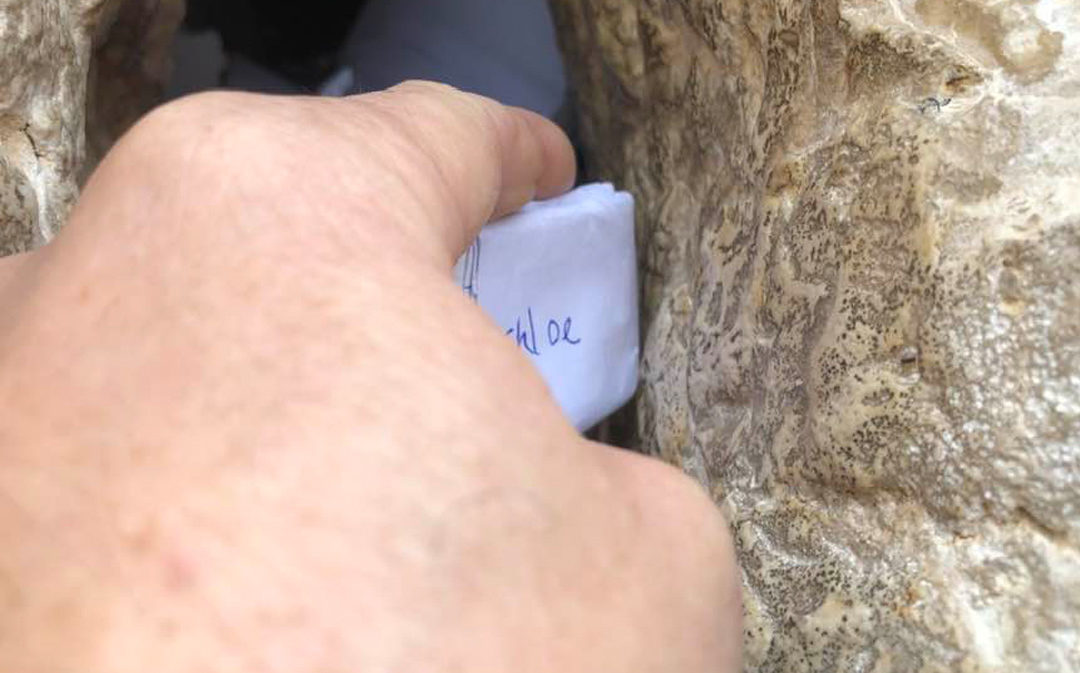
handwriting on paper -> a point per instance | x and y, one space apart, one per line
533 333
470 271
536 334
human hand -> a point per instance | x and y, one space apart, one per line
252 425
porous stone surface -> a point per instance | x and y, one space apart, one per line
859 227
53 55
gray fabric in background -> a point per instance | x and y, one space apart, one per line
503 49
198 63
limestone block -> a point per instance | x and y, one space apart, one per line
52 53
860 240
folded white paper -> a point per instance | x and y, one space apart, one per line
560 280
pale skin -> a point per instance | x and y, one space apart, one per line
250 424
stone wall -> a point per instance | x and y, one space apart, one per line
64 62
860 240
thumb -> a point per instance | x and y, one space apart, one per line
420 167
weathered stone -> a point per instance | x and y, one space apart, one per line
47 51
860 236
18 211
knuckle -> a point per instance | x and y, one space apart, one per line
696 506
179 142
681 530
207 133
176 122
419 86
678 509
432 101
217 145
211 139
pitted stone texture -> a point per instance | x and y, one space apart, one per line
18 211
47 49
860 234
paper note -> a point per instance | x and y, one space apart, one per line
559 278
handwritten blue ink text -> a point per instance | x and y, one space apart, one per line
554 333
